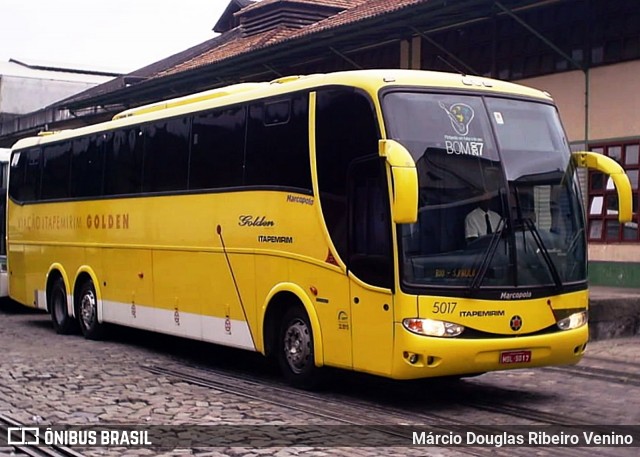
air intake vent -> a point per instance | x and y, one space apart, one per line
268 15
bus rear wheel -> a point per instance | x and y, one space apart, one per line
295 350
63 324
87 307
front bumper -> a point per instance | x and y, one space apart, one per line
417 356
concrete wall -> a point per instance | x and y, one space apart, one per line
568 90
19 95
615 102
614 98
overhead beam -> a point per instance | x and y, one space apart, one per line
346 58
449 54
544 39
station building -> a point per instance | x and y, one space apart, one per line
585 53
27 87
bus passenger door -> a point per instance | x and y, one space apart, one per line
370 267
352 189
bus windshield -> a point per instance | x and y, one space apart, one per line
499 199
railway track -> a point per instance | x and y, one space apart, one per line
594 359
385 420
377 425
604 369
600 374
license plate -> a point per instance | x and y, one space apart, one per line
515 357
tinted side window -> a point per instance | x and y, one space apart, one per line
123 162
217 149
370 253
87 164
16 175
346 129
166 155
4 175
24 178
278 143
55 171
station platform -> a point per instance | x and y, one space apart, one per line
613 312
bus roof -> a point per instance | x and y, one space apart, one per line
370 80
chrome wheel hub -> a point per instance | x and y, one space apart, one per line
88 308
297 346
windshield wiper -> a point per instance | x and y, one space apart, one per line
543 250
488 256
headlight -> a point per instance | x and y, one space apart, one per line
574 321
432 327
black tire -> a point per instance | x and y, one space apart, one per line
87 311
295 350
63 324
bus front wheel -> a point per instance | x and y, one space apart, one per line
63 324
295 349
88 311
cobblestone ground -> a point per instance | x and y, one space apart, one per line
57 379
52 379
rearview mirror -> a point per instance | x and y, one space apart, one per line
610 167
405 181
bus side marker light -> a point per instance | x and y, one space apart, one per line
576 320
431 327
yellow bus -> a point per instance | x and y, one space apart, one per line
323 220
4 180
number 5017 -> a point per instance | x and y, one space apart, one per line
444 307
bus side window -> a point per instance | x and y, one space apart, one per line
370 253
166 155
87 164
55 171
346 130
217 148
25 176
123 162
277 152
16 184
